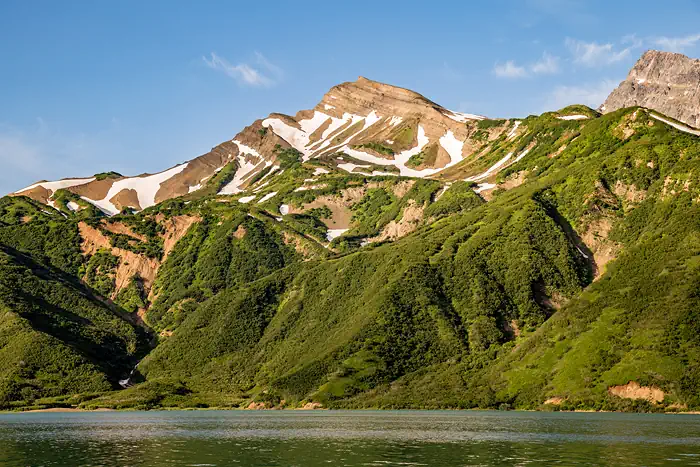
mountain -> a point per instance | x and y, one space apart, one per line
380 128
375 251
666 82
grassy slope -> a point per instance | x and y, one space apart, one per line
56 338
430 321
425 321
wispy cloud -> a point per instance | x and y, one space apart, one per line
509 69
591 94
676 44
592 54
264 73
548 64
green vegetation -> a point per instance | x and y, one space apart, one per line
376 147
487 124
107 175
15 210
426 157
86 210
214 256
100 272
133 296
459 197
56 338
484 305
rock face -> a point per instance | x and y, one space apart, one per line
666 82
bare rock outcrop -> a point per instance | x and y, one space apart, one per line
663 81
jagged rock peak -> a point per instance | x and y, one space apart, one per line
664 81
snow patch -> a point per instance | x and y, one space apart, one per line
573 117
395 120
195 187
522 154
267 197
491 170
59 184
462 117
319 171
297 138
244 168
511 134
146 189
334 233
675 125
284 209
485 186
349 166
246 199
453 146
328 107
73 206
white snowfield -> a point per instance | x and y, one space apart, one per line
511 134
73 206
59 184
245 169
573 117
319 171
334 233
497 166
300 138
267 196
491 170
462 117
448 141
246 199
349 166
146 189
273 169
677 126
485 186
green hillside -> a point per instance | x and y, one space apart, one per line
579 273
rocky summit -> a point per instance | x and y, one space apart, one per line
375 251
663 81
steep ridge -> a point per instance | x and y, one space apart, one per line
358 127
663 81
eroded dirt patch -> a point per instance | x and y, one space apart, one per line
633 390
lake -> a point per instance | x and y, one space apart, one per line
346 438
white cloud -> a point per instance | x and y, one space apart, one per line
266 74
509 70
592 95
676 44
592 54
548 64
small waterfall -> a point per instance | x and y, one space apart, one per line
126 383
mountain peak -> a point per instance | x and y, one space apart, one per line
667 82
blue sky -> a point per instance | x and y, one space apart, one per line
138 86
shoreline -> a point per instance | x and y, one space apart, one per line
167 409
